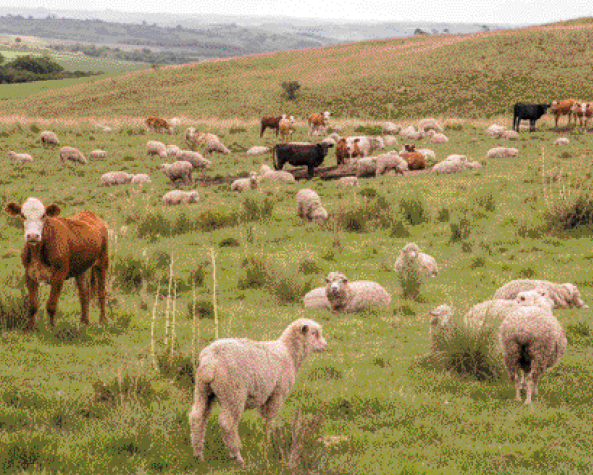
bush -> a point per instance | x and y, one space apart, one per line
177 367
257 207
369 130
414 210
14 309
460 228
132 272
374 212
291 88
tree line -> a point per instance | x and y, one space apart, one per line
30 68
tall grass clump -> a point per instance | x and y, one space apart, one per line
14 309
128 384
369 130
414 210
132 272
257 207
373 213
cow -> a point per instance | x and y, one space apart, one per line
297 155
560 108
582 111
158 125
318 121
272 123
531 112
344 150
57 249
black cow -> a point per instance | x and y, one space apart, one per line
531 112
297 155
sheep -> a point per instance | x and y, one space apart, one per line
211 141
276 175
20 157
140 179
243 184
389 140
257 150
176 197
316 298
412 267
286 128
502 152
495 130
98 155
411 133
538 297
153 147
378 165
104 128
427 153
366 166
532 340
195 158
391 128
48 137
172 150
510 135
246 374
173 124
72 154
563 295
366 144
349 297
115 178
440 318
309 206
348 181
178 170
561 141
265 169
438 138
454 164
428 124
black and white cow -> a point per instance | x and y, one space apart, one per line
298 155
531 112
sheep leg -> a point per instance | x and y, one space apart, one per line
269 410
229 417
198 418
518 386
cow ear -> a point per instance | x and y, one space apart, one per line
13 209
52 210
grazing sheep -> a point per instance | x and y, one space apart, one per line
354 296
532 340
502 152
72 154
390 161
177 170
563 295
412 267
140 178
172 151
257 150
195 158
309 206
428 124
176 197
276 175
246 374
414 159
20 157
561 141
243 184
48 137
154 147
115 178
366 166
98 155
286 128
348 181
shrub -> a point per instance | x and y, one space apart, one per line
132 272
291 88
177 367
414 210
369 130
485 201
257 207
254 268
203 309
460 229
568 211
216 218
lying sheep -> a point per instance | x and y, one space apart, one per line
454 164
411 133
176 197
427 153
257 150
20 157
439 319
98 155
115 178
140 178
172 150
510 135
502 152
429 124
178 170
438 138
354 296
563 295
532 340
316 298
309 206
173 124
48 137
389 140
243 184
72 154
412 267
265 169
561 141
348 181
246 374
366 144
211 142
391 128
276 175
153 147
495 130
195 158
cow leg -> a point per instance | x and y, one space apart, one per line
82 282
531 125
310 171
32 288
56 283
518 123
101 274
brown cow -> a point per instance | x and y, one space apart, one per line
582 111
57 249
272 123
158 125
560 108
318 121
343 150
416 161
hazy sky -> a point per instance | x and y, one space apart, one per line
466 11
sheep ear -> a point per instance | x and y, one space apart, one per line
52 210
13 209
304 329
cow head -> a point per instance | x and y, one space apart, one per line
33 213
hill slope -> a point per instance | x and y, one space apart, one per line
465 75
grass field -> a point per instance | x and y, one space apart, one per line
88 400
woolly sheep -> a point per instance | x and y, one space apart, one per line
153 147
537 297
172 151
492 312
277 175
176 197
309 206
246 374
257 150
366 166
195 158
104 128
140 178
532 340
438 321
391 128
389 140
48 137
316 298
243 184
427 153
454 164
115 178
412 267
366 144
390 161
211 142
561 141
72 154
510 135
429 124
333 136
98 155
495 130
177 170
502 152
349 297
563 295
439 138
20 157
348 181
411 133
173 124
265 169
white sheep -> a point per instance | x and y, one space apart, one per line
195 158
428 124
98 155
316 298
366 166
411 133
454 164
510 135
48 137
257 150
309 206
140 178
210 141
173 124
348 181
154 147
276 175
115 178
490 312
177 170
246 374
439 320
502 152
390 161
438 138
563 295
265 169
538 297
175 197
561 141
427 153
20 157
391 128
366 144
72 154
172 150
243 184
389 140
495 130
412 267
104 128
532 340
348 297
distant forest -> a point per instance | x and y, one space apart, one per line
30 68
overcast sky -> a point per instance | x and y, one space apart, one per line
465 11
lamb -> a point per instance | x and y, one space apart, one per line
98 155
286 128
428 124
115 178
354 296
48 137
243 184
309 206
348 181
563 295
72 154
502 152
246 374
153 147
140 179
195 158
176 197
177 170
276 175
561 141
532 340
20 157
412 267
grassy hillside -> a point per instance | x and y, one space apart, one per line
478 75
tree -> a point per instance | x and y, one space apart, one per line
291 87
1 58
37 65
17 39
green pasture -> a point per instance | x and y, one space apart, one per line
89 400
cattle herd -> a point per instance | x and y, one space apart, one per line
573 109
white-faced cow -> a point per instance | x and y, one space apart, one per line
298 155
531 112
558 108
57 249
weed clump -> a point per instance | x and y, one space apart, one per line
414 210
369 130
257 208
